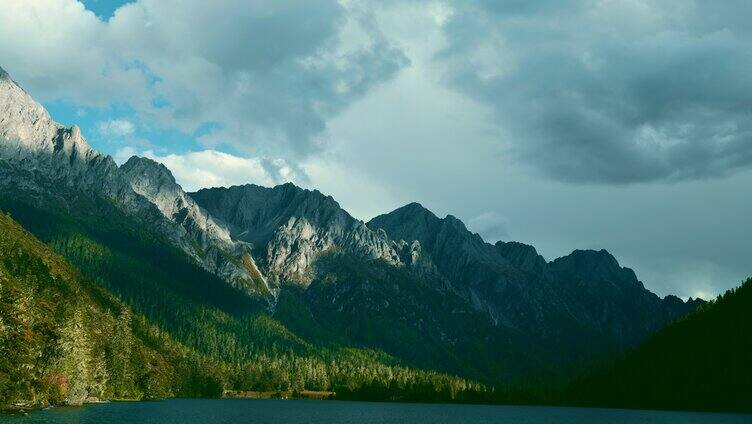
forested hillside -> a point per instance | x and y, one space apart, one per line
64 340
703 361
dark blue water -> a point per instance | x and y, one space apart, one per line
226 411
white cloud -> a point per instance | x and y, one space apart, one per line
123 154
59 50
211 168
116 128
356 192
268 75
360 194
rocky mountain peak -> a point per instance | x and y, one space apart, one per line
206 238
455 222
23 120
156 183
30 139
255 213
413 211
290 227
409 222
589 261
523 256
32 143
150 169
596 266
26 124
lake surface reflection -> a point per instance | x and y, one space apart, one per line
226 411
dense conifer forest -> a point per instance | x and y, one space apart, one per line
136 331
702 362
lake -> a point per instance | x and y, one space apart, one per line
226 411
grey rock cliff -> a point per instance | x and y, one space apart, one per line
290 228
205 238
38 156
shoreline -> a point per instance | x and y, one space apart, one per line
24 409
277 394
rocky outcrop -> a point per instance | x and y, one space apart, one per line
448 242
205 238
31 141
610 298
523 256
290 227
39 157
472 268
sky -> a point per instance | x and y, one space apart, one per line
566 124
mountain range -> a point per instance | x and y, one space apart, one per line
255 273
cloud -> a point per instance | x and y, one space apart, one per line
490 225
123 154
210 168
116 128
265 77
611 92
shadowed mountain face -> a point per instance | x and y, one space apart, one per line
586 292
420 287
699 362
403 267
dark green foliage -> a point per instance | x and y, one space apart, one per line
64 340
221 341
412 319
702 361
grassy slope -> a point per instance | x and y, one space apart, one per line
703 361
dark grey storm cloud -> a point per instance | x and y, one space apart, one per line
611 92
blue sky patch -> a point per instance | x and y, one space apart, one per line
104 9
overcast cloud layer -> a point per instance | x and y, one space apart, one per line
624 125
612 91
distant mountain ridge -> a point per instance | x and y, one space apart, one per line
422 288
515 285
585 295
